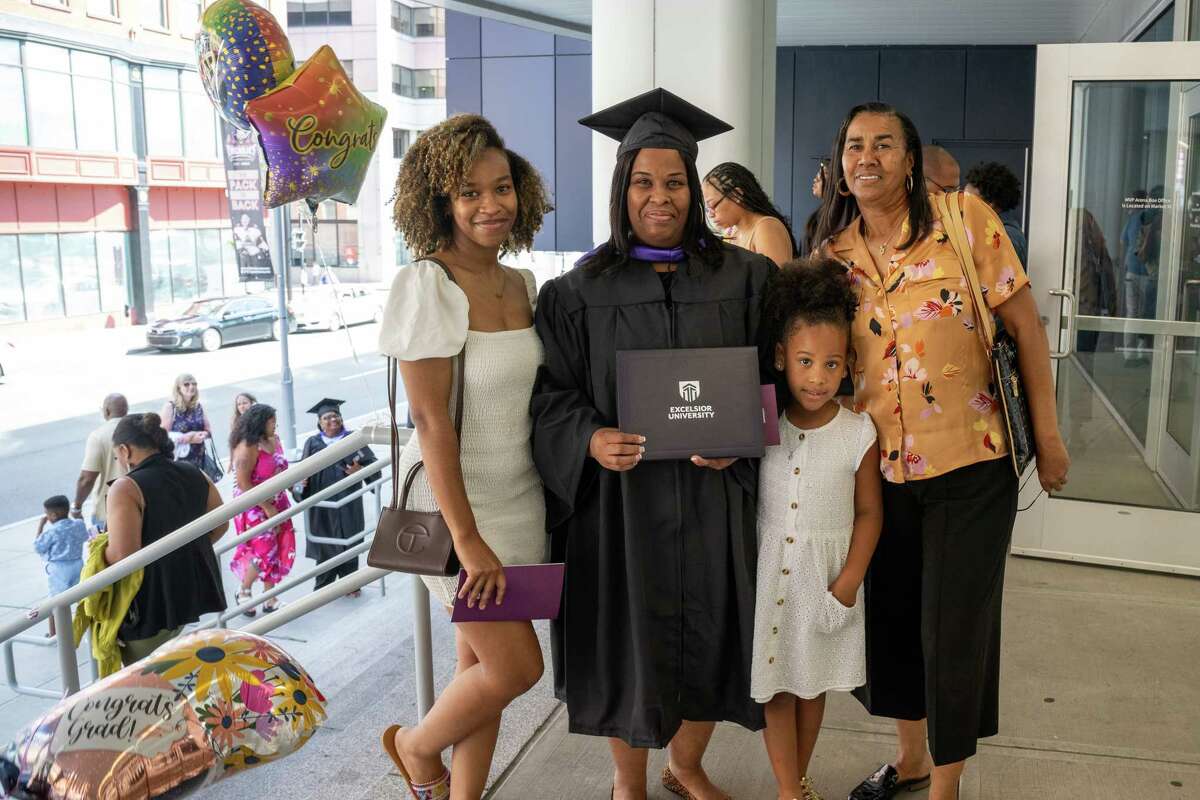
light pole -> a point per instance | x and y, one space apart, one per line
287 400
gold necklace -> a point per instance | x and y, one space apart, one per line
883 247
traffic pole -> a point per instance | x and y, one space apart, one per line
287 400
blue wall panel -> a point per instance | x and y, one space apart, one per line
504 39
571 46
785 71
999 93
464 89
516 98
573 152
462 35
927 85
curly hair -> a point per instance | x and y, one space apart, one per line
997 185
807 291
251 427
434 170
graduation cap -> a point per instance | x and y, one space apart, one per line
325 405
656 119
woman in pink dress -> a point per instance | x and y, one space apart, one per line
257 455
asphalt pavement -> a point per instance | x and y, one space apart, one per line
50 397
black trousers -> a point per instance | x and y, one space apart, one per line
341 571
933 596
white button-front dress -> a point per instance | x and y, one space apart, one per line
805 641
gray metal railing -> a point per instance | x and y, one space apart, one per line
59 605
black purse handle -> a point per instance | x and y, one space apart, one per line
400 501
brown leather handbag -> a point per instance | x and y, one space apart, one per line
417 542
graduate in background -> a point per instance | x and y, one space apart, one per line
335 523
654 640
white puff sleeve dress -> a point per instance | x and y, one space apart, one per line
805 641
426 317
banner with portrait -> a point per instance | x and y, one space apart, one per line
244 180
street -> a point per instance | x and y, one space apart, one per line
50 396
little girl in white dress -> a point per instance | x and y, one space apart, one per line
819 518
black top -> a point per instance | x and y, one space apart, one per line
338 523
658 610
657 119
182 585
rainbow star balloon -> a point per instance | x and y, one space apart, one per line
242 53
318 133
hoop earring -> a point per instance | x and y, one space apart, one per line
908 183
842 180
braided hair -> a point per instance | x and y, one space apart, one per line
737 183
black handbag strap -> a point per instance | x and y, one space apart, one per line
399 500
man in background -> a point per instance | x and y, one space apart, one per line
99 463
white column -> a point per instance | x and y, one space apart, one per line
716 54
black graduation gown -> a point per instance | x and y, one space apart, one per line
338 523
658 606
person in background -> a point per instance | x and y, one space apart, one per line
258 456
100 465
819 184
157 497
241 403
59 542
333 523
186 423
1140 240
942 173
1001 190
733 198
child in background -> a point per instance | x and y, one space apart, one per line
819 518
60 540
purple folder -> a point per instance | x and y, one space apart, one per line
534 592
770 415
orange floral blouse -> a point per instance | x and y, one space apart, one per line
921 370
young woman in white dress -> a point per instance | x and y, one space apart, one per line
465 200
819 518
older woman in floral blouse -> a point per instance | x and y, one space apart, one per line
933 592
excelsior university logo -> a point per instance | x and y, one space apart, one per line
689 390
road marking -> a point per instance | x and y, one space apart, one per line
363 374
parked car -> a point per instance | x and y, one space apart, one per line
209 324
332 307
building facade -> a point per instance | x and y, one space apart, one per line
395 52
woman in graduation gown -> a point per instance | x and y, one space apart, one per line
653 642
333 523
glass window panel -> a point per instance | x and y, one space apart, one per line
295 14
400 142
348 243
316 12
339 12
123 113
200 126
184 284
154 13
112 259
164 133
120 71
95 119
229 265
10 52
1162 29
51 117
327 241
102 8
425 22
39 273
12 93
12 304
187 15
44 56
160 270
90 64
208 258
81 287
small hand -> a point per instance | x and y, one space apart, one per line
1053 463
485 573
616 451
845 590
713 463
354 467
41 524
270 509
77 513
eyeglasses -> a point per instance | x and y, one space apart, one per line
711 207
939 187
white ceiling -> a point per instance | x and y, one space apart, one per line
850 22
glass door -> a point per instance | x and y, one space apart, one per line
1115 262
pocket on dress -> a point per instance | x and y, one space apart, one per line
832 616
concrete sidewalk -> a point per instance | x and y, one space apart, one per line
1100 700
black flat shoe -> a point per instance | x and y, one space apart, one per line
886 784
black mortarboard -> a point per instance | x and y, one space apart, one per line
656 119
326 404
